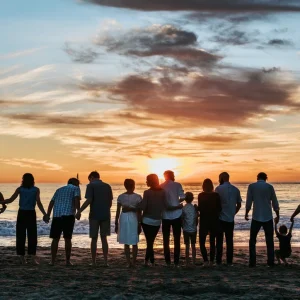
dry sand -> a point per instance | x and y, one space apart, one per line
117 282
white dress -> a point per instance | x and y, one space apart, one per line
128 222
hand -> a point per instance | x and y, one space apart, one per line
292 219
246 217
116 228
78 215
276 220
2 210
46 218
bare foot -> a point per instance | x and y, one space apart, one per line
51 263
68 263
93 264
22 260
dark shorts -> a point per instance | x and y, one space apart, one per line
283 254
189 237
95 225
63 224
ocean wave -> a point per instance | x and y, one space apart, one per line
8 228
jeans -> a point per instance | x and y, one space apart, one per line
269 234
150 235
166 228
205 228
227 228
26 222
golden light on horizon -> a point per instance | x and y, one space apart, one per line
160 165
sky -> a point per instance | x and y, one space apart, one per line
134 87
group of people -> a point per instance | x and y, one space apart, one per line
160 206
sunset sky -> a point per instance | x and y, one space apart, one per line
132 87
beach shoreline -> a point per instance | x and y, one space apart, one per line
82 281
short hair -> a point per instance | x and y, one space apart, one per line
225 176
73 181
153 181
94 174
283 229
129 184
27 181
207 185
169 174
262 176
189 197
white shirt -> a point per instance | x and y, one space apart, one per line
174 192
263 197
230 196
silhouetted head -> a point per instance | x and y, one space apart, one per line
189 197
73 181
94 176
283 229
262 176
129 185
153 181
224 177
169 175
207 186
27 180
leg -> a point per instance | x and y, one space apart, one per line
229 242
94 250
21 235
212 242
255 227
127 255
134 254
54 248
269 234
104 248
32 235
186 238
68 250
194 253
277 254
147 233
220 237
202 238
166 240
176 226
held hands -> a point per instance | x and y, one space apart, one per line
116 228
276 220
246 217
2 210
46 218
78 215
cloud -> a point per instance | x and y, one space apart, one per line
165 41
210 100
232 36
31 163
20 53
82 55
203 5
279 42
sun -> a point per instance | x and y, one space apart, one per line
159 165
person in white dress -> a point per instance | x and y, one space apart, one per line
127 224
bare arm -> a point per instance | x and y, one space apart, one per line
248 203
12 198
291 228
296 212
238 207
276 230
117 217
77 203
85 205
275 205
50 206
39 203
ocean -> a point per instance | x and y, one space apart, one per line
287 194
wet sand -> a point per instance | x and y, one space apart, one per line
82 281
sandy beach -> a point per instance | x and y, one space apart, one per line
82 281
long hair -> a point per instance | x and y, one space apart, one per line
27 180
208 186
153 181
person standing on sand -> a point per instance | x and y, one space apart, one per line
128 225
172 218
231 203
296 212
99 197
26 220
263 197
153 204
65 202
209 206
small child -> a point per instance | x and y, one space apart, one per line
189 225
284 238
